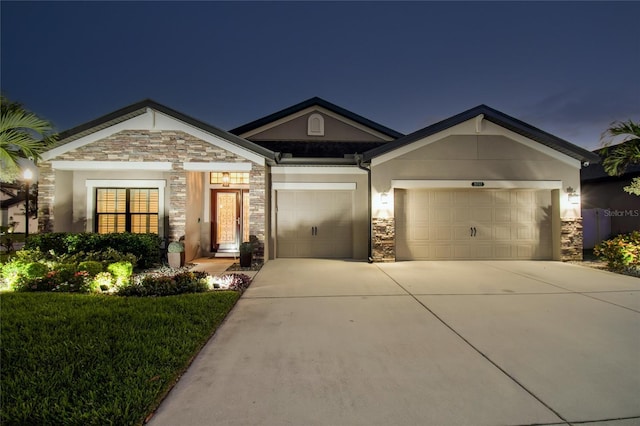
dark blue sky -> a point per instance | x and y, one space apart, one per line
568 68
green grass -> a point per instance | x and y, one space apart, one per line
71 359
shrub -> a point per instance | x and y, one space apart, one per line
91 266
163 285
35 270
35 255
104 282
45 242
121 272
620 252
11 273
145 247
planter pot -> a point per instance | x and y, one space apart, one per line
176 260
245 260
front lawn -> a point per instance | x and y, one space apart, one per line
75 359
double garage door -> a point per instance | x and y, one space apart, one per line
314 223
473 224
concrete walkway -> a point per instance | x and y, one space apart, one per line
320 342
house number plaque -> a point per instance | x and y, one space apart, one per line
477 183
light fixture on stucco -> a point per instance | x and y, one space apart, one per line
574 197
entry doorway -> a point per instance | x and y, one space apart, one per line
229 219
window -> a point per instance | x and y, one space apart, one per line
234 178
127 210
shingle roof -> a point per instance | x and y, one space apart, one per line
498 118
315 101
139 108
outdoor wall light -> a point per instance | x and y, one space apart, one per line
384 198
574 197
225 179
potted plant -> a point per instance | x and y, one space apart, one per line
175 254
246 254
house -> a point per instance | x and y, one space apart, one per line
316 180
608 210
12 208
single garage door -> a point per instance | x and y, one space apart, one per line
473 224
314 223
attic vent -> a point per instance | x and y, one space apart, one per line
315 125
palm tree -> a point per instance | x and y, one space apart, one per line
619 157
22 135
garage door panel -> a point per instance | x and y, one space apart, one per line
314 223
462 233
420 232
502 214
483 214
474 224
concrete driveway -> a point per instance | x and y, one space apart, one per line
322 342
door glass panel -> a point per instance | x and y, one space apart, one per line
245 216
226 218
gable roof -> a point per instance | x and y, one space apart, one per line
140 108
495 117
315 101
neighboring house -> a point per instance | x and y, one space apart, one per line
315 180
12 203
606 208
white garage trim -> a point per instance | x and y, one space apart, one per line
464 184
317 186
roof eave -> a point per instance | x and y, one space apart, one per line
139 108
315 101
495 117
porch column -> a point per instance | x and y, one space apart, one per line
46 191
177 202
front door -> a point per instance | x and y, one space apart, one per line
229 219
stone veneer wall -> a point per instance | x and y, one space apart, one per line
46 191
571 239
383 240
143 145
257 207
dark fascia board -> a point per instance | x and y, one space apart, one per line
316 101
498 118
140 107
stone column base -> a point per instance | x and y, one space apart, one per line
571 239
383 240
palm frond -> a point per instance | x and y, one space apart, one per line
629 129
619 157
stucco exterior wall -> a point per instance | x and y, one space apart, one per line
184 191
334 130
